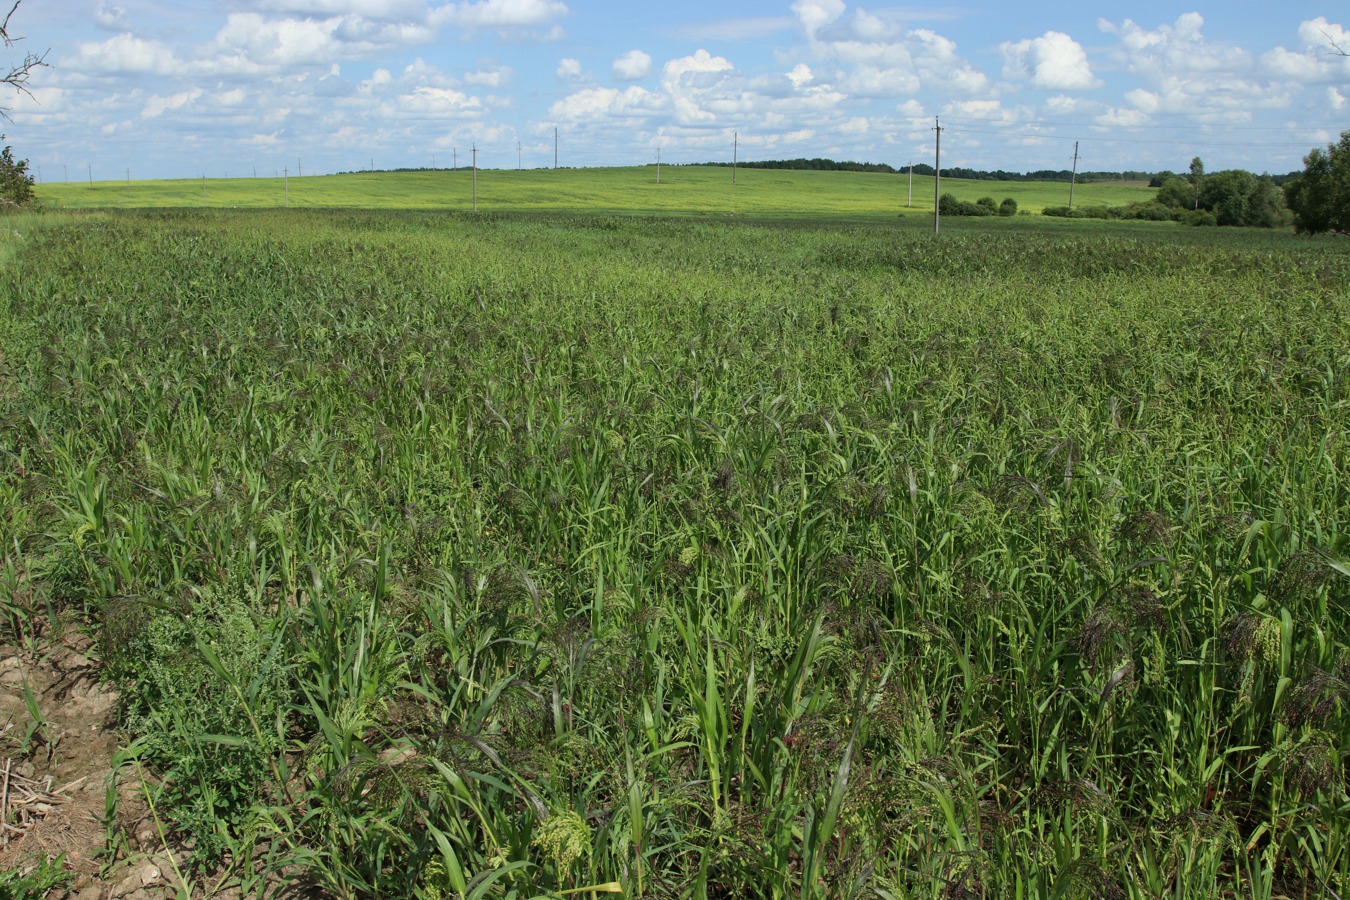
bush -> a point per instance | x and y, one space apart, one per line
1085 212
16 184
1197 217
948 205
1152 212
1008 207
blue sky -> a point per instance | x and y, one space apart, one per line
230 87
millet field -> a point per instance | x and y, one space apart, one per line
503 556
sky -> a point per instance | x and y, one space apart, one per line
229 88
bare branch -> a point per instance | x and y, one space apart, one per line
4 26
1335 47
18 74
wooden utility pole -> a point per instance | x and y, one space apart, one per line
658 165
475 178
910 201
735 144
286 181
1074 176
937 176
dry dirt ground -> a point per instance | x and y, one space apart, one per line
54 778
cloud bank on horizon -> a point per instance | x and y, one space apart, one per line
234 87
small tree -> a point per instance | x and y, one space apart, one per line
1320 197
16 184
1008 207
1177 193
1197 178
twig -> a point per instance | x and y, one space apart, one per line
4 799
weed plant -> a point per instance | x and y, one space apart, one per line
505 557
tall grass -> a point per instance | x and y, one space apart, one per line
503 557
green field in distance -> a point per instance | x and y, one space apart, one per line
683 190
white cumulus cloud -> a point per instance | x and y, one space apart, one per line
126 54
500 13
632 66
111 18
1054 61
569 69
816 14
800 75
157 106
606 103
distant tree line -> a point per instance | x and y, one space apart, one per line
819 164
1230 197
815 165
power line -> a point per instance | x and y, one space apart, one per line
1191 124
1176 142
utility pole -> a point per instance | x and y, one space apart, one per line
735 145
555 148
66 169
937 175
910 201
517 156
475 178
433 160
286 182
299 170
203 189
658 165
1074 176
255 170
128 177
91 174
454 157
39 170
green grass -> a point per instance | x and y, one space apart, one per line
693 190
505 556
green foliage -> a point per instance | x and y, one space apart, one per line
35 881
16 182
1008 207
948 205
1201 218
1228 195
1177 193
443 555
208 694
1234 197
1320 197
